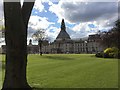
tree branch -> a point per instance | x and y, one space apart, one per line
26 11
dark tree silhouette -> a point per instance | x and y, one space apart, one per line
105 39
16 23
112 37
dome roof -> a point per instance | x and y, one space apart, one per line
63 35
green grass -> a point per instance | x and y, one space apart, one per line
72 71
2 57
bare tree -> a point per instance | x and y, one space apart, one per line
40 36
16 23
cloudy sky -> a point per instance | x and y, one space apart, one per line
81 18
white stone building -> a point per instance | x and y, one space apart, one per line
64 44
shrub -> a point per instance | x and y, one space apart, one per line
111 52
111 55
99 54
108 50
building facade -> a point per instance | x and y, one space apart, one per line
64 44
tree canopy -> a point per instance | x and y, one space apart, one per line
112 37
40 35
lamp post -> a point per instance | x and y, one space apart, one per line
86 46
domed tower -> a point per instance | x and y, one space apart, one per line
63 35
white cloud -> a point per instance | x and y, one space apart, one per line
52 32
56 8
83 30
101 14
75 12
37 22
38 5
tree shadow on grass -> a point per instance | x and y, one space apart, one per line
59 58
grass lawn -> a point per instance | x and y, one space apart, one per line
72 71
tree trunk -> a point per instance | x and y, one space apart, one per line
16 45
40 47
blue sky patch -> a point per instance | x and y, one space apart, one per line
91 25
